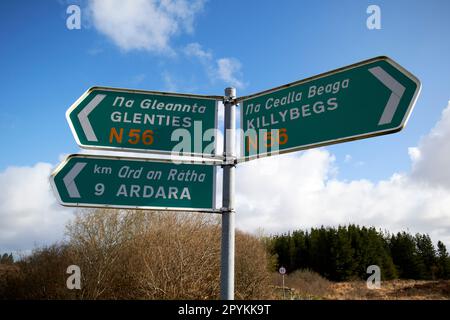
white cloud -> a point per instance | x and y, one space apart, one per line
221 112
195 50
29 214
431 158
144 24
227 70
414 154
301 190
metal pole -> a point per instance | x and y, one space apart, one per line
227 254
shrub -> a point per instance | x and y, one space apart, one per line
307 284
140 255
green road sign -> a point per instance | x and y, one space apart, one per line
100 181
144 121
369 98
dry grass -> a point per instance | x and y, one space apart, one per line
307 285
7 268
301 284
392 290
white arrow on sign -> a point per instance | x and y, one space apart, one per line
83 117
69 179
397 93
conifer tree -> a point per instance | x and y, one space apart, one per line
443 261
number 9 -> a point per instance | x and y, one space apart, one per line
99 189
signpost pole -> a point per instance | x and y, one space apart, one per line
282 271
228 213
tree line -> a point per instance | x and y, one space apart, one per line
345 252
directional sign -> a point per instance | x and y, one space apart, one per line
144 121
370 98
99 181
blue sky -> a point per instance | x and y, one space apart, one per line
46 67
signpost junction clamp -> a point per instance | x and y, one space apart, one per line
232 100
230 161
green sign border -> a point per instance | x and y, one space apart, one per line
125 149
339 140
112 206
